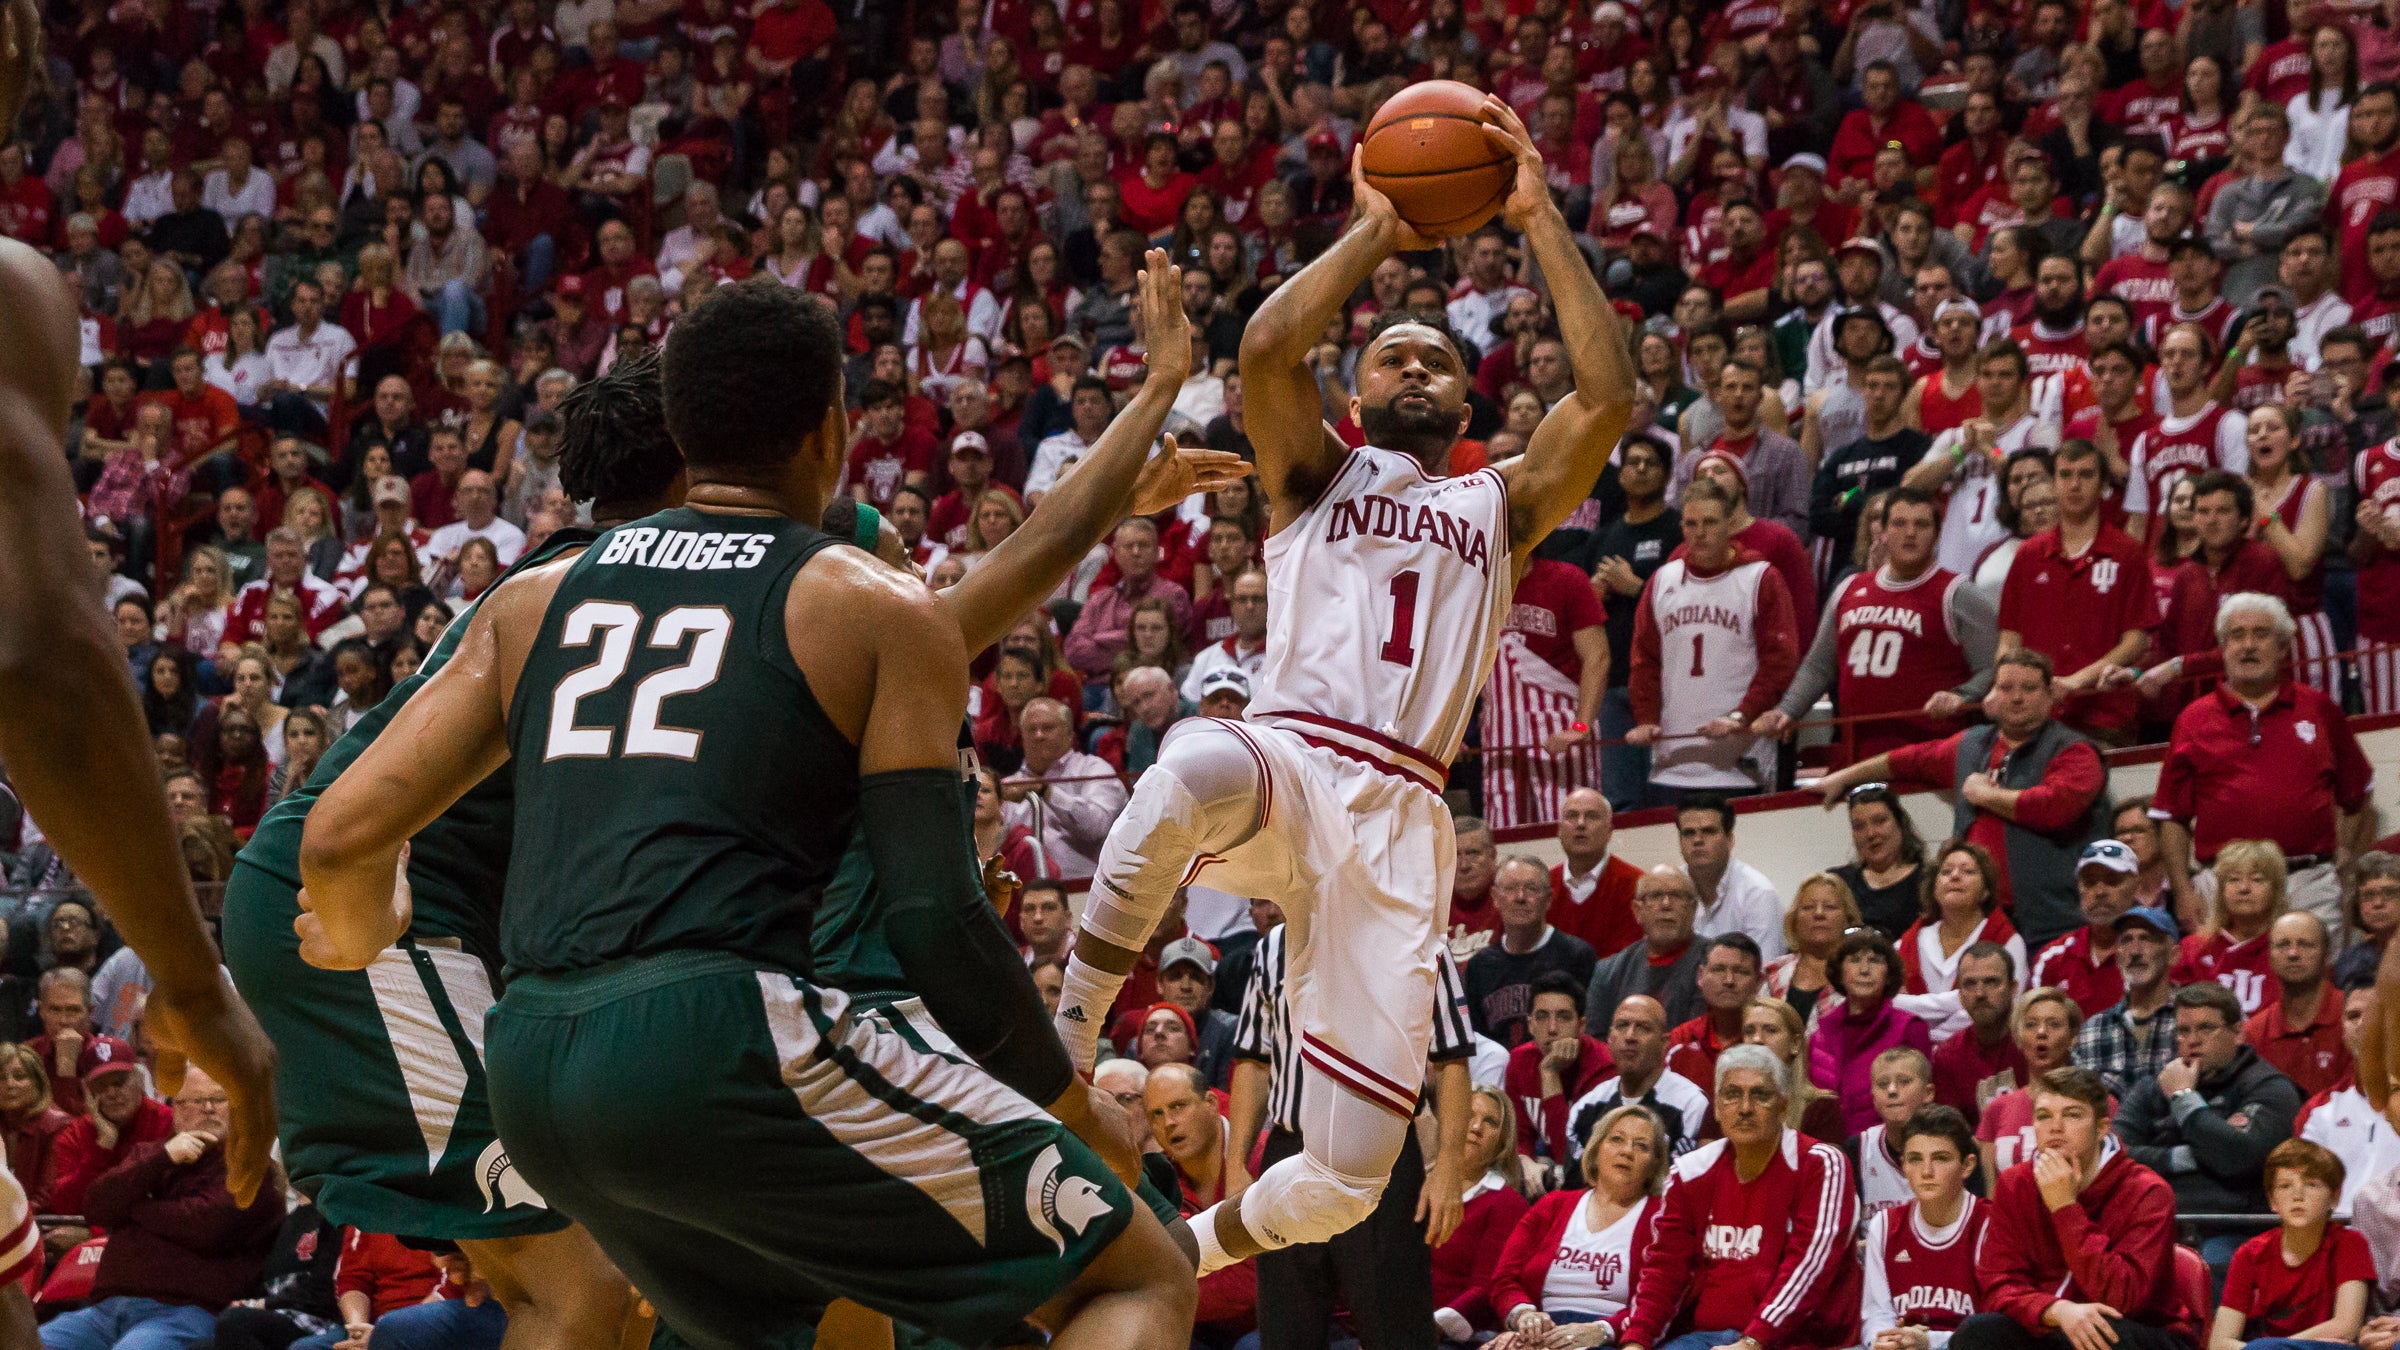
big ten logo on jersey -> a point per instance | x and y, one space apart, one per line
1383 518
685 550
1925 1298
1731 1242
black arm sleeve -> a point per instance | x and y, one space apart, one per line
949 943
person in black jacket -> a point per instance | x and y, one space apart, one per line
2208 1120
298 1281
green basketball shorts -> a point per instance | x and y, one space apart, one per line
380 1093
747 1151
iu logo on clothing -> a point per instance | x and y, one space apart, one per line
2104 575
2306 731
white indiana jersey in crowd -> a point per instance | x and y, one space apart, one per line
1881 1185
1385 602
1921 1275
1971 517
1708 655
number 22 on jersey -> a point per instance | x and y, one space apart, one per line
615 624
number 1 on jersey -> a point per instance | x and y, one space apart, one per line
1401 648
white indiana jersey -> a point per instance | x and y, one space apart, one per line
1707 657
1881 1185
1385 602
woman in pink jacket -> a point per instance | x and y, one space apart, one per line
1842 1050
1569 1266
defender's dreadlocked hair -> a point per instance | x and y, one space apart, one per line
614 447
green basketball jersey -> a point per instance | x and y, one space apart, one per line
457 864
678 787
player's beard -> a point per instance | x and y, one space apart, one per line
1425 432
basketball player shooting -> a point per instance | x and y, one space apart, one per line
71 733
1388 583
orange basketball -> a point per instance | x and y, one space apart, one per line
1425 149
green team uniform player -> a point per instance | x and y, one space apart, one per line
702 711
382 1109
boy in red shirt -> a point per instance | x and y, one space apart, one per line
2306 1282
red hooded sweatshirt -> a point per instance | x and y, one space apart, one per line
2115 1245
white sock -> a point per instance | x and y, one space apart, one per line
1083 1003
1212 1252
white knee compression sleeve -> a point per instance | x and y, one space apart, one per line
1201 797
1348 1146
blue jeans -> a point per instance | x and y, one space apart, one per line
1702 1340
447 1325
457 307
541 257
1624 769
127 1323
324 1340
2287 1343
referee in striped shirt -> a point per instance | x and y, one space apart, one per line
1383 1267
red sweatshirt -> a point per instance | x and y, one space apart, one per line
1774 1258
1542 1121
1463 1267
2114 1245
80 1158
174 1234
391 1275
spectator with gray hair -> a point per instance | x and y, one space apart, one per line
2371 914
1665 964
1753 1239
69 1046
2264 756
1067 798
1503 977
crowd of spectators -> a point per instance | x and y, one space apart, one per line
2013 386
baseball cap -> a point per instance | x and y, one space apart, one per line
1735 460
1707 75
108 1066
2111 855
1074 340
2151 916
970 443
1968 307
1325 138
571 284
1650 228
2271 291
2193 242
1189 949
1226 681
1859 244
1804 160
389 488
1608 10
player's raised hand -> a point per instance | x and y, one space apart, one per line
350 945
1166 333
1506 131
1367 202
1174 473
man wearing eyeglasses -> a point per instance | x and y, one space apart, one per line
2264 756
2216 1100
179 1248
1752 1245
